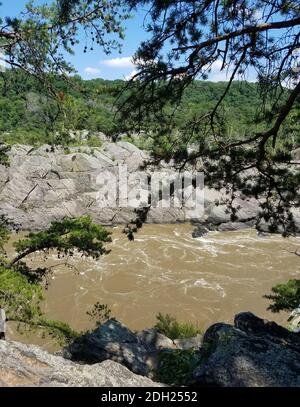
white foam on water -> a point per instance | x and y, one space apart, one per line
213 286
165 268
202 283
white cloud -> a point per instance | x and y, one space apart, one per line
2 62
221 76
216 75
123 62
92 71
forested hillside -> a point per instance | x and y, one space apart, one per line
28 117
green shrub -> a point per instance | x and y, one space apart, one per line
176 367
94 141
285 297
169 326
24 136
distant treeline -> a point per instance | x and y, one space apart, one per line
89 104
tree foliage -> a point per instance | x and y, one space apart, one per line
27 116
35 46
38 40
65 236
285 296
190 38
21 287
30 116
100 313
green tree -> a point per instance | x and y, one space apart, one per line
285 296
36 41
188 39
35 46
21 287
65 236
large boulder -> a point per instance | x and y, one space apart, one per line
155 341
24 365
139 351
165 215
264 227
112 340
79 162
253 353
217 214
125 153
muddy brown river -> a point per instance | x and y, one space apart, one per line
203 280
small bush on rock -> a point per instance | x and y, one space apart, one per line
169 326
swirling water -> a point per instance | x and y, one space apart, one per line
203 280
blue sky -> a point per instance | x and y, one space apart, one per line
96 64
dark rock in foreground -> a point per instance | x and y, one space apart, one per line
114 341
253 353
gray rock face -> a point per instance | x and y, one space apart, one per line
3 176
217 216
154 341
23 365
42 185
137 351
114 341
189 343
253 353
230 226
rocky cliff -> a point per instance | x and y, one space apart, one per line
42 185
252 353
24 365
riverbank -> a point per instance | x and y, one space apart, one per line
251 353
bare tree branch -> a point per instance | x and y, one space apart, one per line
247 30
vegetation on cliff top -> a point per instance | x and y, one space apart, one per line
28 116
